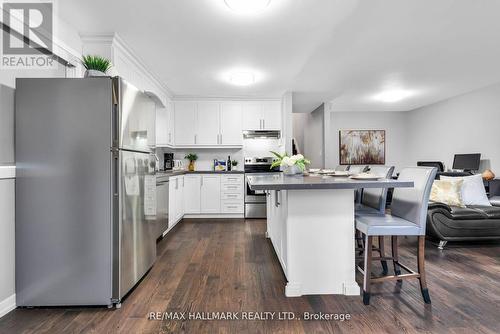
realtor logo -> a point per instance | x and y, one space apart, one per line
27 35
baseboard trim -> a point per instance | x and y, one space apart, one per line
7 305
215 216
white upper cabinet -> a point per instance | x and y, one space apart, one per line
208 123
231 118
210 194
185 123
211 124
252 116
271 115
262 115
165 126
161 127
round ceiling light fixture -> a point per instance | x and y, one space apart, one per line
393 95
247 6
242 78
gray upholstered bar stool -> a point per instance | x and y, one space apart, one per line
407 218
373 201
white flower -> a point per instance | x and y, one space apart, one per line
299 156
293 160
286 161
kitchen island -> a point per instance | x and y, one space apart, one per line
310 221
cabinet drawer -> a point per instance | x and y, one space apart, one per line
232 207
232 188
232 179
232 196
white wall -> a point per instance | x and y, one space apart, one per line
469 123
308 130
394 123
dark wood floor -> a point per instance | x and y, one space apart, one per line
229 266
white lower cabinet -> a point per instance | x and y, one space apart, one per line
192 194
175 200
205 195
210 194
276 225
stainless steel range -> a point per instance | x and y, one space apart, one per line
255 201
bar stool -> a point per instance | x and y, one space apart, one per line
373 201
407 218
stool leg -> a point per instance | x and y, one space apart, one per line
367 269
395 258
382 254
421 269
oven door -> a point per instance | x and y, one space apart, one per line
254 196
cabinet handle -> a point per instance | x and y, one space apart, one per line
276 201
263 124
176 183
169 137
232 207
195 139
220 139
201 183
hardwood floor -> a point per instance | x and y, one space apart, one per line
229 266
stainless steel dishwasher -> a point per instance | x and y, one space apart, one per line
162 185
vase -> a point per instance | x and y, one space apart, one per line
292 170
191 166
94 73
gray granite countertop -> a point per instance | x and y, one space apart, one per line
278 181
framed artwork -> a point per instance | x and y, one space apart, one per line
362 147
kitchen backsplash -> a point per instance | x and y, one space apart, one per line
206 156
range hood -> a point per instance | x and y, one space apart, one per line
265 134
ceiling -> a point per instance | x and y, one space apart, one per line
323 50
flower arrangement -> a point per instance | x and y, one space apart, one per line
192 157
295 164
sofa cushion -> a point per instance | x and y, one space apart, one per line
492 212
447 192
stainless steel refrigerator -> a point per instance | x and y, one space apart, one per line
85 190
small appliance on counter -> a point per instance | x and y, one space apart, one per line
168 161
178 165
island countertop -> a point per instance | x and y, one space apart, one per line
279 181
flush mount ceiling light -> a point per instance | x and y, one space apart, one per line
247 6
242 78
393 95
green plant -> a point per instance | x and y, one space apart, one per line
96 63
287 161
191 156
234 163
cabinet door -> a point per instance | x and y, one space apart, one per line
207 129
172 205
192 185
252 115
271 114
161 127
231 118
185 123
180 197
210 194
170 123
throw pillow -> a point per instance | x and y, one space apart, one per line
473 192
447 192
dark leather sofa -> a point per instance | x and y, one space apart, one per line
447 223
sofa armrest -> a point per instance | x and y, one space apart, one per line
495 200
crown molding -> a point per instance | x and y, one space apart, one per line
114 40
223 98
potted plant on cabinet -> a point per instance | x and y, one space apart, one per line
192 157
291 165
234 165
96 66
